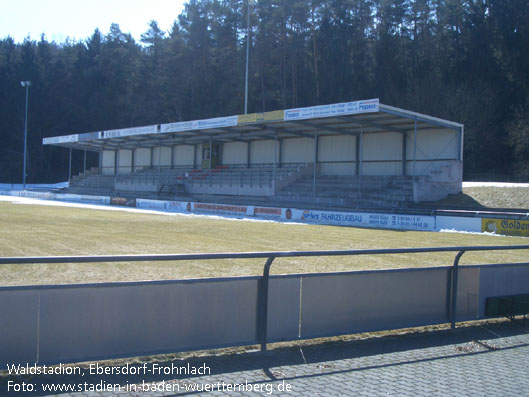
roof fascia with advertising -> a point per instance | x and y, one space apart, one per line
348 118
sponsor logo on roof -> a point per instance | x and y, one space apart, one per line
150 129
216 122
61 139
370 105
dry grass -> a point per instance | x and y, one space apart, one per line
479 198
33 230
498 197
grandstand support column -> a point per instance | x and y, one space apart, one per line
404 144
132 160
84 164
70 166
280 153
159 170
360 160
116 166
461 140
357 155
100 162
275 158
248 156
151 165
414 151
195 156
172 156
316 138
210 150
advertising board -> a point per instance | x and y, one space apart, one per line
370 105
216 122
150 129
508 227
269 213
222 208
123 202
366 219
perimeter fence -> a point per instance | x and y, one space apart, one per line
49 324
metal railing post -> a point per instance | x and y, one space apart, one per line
263 304
453 300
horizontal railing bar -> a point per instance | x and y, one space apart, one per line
246 255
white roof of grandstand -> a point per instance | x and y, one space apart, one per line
348 118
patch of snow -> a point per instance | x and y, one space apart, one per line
494 184
19 186
52 203
475 233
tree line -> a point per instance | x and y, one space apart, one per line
463 60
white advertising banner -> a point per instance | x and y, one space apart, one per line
37 195
94 199
199 124
366 219
337 109
177 206
83 198
150 129
364 106
150 204
60 139
172 206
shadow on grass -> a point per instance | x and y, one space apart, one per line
459 201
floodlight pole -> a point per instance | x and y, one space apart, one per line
249 2
25 84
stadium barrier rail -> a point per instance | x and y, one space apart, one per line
316 304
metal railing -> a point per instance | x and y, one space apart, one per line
258 175
270 256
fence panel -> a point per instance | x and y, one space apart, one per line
283 308
368 301
77 323
19 324
69 323
502 280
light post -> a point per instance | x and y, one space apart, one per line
25 84
249 2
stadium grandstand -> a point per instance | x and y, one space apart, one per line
355 154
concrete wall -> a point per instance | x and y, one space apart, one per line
382 154
71 323
446 178
458 223
142 158
235 153
125 161
108 160
183 155
432 145
298 150
263 152
161 156
337 155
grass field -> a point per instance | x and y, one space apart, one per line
484 197
36 230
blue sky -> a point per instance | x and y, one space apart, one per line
77 19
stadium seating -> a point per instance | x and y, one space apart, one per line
287 184
365 191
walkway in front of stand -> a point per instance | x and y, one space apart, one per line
480 360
